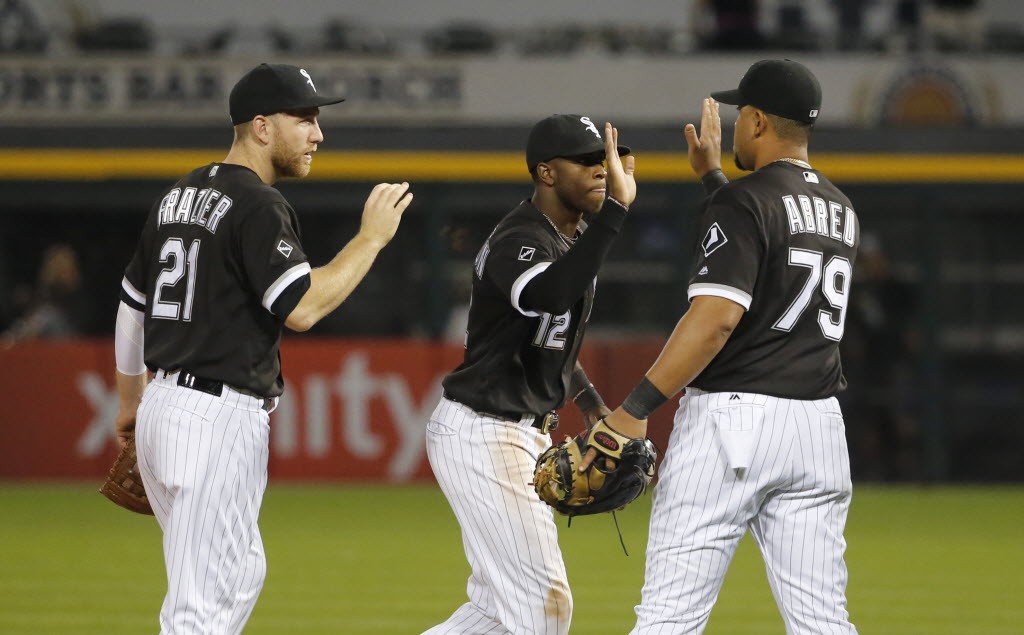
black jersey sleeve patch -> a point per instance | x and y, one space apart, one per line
714 239
526 253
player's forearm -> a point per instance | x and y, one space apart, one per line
331 284
695 341
129 391
563 283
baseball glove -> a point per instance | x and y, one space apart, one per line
621 472
124 483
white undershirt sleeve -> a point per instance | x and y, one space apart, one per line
128 341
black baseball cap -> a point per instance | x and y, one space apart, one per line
779 87
564 136
272 88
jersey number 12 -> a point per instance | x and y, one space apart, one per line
183 266
551 332
835 285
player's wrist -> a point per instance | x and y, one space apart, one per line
588 399
618 202
713 180
645 399
612 214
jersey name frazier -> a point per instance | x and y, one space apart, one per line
192 206
815 215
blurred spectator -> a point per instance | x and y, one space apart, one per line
729 24
953 25
794 29
906 33
850 21
57 307
20 30
462 37
878 348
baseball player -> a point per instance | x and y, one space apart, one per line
758 442
533 288
218 272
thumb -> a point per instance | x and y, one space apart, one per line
690 131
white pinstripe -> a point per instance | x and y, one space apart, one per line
484 466
794 499
203 460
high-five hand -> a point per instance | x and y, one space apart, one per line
383 211
705 151
620 181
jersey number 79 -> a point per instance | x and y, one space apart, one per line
835 280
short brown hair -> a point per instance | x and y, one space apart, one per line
790 129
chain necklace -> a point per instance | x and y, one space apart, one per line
797 162
569 242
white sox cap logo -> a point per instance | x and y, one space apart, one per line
526 253
309 80
714 239
284 248
590 126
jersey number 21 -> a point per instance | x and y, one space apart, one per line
182 265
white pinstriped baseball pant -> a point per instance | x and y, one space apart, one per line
793 496
484 466
203 460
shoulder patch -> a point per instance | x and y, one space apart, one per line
526 253
810 177
284 248
714 239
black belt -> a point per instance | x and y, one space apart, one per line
209 386
545 422
212 387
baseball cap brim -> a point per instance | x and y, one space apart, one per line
731 97
590 148
324 101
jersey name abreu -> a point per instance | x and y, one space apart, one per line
781 243
815 215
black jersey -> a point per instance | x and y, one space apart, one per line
782 243
218 268
517 361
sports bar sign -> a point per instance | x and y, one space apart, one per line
861 90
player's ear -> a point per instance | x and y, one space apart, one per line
760 121
261 128
545 174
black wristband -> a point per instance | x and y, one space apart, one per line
714 180
644 400
588 399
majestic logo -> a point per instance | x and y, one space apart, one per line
309 80
526 253
590 126
213 172
284 248
606 441
810 177
714 239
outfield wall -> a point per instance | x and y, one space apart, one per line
352 410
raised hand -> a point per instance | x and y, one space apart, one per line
383 211
705 151
620 182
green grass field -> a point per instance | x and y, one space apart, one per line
388 560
